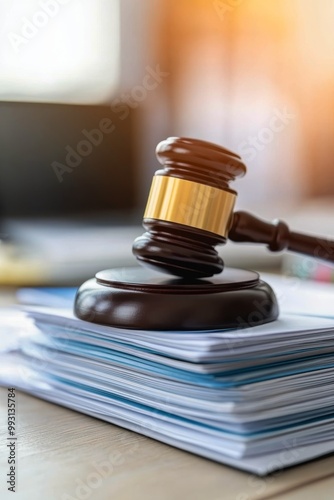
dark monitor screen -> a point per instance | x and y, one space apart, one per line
59 160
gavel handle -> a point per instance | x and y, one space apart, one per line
277 236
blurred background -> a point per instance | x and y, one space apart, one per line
88 89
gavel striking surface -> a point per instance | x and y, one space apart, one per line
144 299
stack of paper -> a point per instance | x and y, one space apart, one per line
259 399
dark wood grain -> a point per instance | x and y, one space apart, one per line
146 300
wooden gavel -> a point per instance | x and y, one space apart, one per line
190 211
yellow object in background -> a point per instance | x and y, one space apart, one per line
18 269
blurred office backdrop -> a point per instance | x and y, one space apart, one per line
256 76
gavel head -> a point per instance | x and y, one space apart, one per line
190 208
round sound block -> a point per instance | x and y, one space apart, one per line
147 300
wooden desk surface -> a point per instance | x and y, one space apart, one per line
64 455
